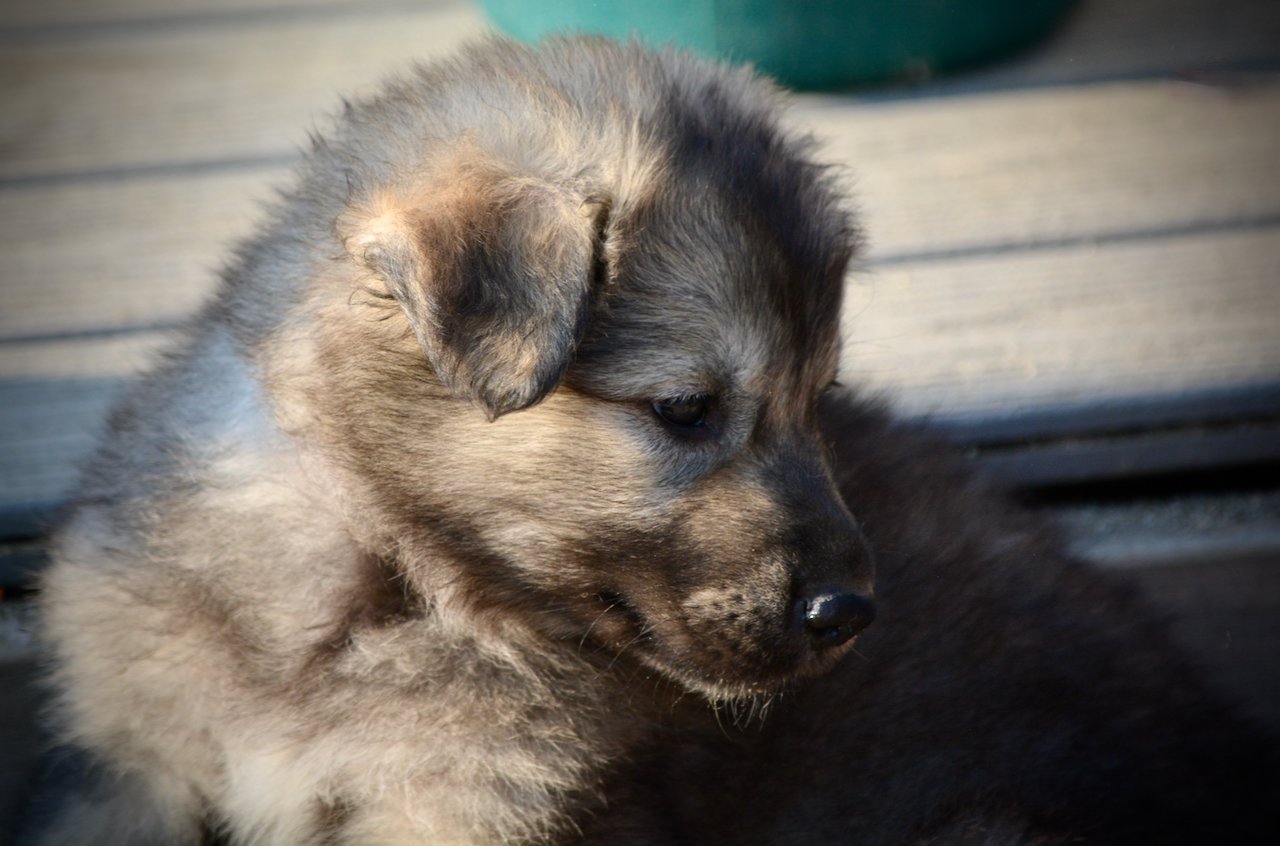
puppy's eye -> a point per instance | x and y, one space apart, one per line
683 412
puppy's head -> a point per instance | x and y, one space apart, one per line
596 393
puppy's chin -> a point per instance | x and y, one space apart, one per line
735 686
727 681
740 669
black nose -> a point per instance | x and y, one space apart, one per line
834 618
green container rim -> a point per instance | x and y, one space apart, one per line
818 44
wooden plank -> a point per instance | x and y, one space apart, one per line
251 92
94 255
1104 459
96 358
932 178
46 429
1029 166
1155 532
1055 328
138 99
53 398
1207 406
45 13
959 341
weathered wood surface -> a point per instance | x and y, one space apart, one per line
971 341
144 99
26 14
1038 252
1000 334
94 255
999 171
933 179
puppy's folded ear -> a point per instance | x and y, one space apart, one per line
494 273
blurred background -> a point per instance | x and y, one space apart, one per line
1073 270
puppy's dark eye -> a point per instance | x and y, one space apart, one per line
683 412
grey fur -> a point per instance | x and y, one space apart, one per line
394 549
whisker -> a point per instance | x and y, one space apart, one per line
598 618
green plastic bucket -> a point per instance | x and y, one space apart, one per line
804 43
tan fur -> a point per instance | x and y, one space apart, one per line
398 546
204 612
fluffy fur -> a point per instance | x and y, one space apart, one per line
404 544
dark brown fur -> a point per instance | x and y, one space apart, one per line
402 544
1005 695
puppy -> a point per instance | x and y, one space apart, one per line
504 494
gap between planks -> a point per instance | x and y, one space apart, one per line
991 336
1009 332
1001 172
253 93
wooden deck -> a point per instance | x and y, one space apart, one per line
1085 237
1074 263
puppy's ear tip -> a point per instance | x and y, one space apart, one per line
498 401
